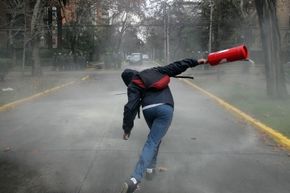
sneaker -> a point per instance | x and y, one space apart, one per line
150 173
129 187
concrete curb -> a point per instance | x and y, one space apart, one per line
278 137
14 104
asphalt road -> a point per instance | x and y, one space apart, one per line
71 142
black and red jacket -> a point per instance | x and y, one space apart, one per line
146 88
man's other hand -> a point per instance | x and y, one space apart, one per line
202 61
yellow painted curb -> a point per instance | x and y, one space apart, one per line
278 137
14 104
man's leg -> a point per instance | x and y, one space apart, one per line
149 120
153 163
162 116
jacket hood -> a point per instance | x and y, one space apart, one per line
127 75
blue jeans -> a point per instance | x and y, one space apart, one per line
158 119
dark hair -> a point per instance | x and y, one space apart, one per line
127 75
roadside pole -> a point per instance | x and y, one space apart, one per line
210 27
166 33
24 40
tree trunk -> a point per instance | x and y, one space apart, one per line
12 38
35 31
271 41
121 33
36 67
59 28
49 35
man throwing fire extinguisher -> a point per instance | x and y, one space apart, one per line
149 89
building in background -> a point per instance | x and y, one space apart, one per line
68 11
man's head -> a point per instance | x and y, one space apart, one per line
127 75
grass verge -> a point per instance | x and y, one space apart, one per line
252 100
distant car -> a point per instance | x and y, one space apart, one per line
145 57
135 58
128 57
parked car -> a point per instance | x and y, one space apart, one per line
135 58
145 57
128 57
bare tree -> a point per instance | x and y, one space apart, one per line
123 16
35 29
271 41
15 25
15 9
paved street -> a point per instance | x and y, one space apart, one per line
71 142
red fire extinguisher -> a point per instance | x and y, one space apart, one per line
228 55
